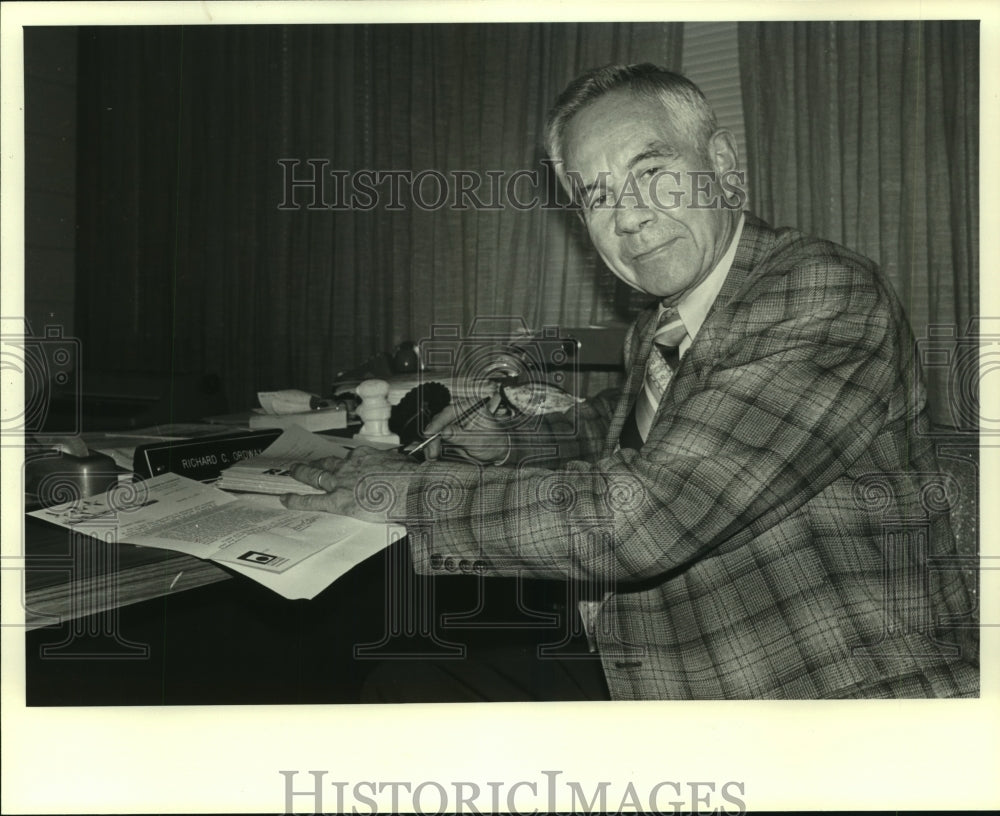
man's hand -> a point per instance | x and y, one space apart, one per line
342 481
482 440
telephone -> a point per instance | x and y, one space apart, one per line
59 471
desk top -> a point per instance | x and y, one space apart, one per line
70 575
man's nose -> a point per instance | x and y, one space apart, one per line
631 215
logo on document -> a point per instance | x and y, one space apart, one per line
257 557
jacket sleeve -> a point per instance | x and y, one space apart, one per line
576 434
790 395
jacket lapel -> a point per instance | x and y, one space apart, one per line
755 244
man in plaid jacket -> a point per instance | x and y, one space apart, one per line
763 526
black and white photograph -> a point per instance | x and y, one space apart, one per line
440 408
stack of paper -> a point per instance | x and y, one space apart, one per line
283 409
264 475
269 472
322 419
293 552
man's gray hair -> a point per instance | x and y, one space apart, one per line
687 109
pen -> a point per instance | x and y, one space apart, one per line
468 412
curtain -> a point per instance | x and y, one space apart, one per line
866 133
187 260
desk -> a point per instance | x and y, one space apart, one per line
115 624
70 576
130 636
228 642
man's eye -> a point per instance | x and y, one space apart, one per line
650 172
594 201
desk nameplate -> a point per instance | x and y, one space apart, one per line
201 459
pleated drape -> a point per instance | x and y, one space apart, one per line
866 133
186 259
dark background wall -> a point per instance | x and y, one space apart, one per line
50 77
183 264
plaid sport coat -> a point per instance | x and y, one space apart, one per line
777 534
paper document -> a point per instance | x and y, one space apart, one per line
316 574
269 472
264 541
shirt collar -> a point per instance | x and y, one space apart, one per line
694 308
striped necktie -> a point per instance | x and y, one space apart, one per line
663 360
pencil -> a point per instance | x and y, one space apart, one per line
468 412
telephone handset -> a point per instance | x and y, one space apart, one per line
57 470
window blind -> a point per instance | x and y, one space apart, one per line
712 61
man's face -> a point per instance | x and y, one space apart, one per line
635 171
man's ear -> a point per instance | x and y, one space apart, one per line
722 152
